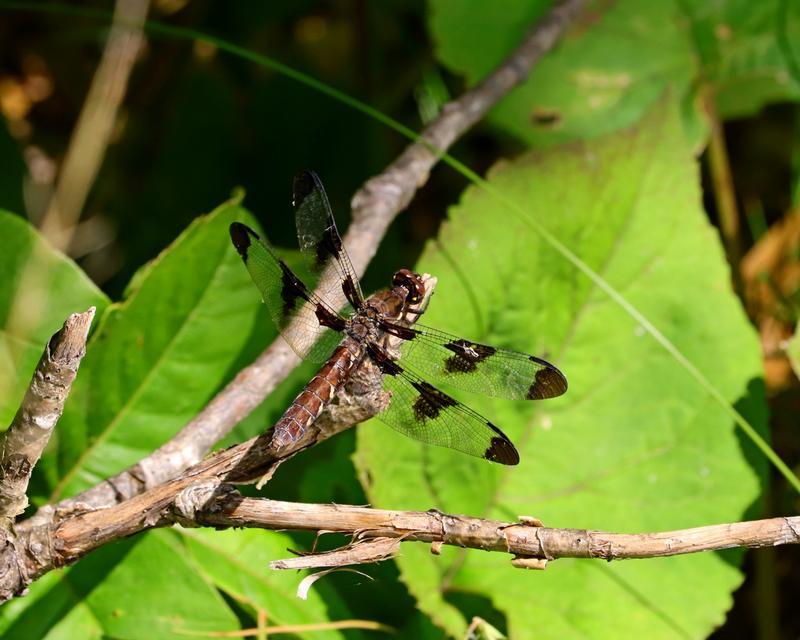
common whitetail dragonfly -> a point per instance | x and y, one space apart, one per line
361 331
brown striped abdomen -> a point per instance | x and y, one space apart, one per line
310 402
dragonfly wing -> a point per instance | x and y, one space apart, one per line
310 326
479 368
419 410
321 243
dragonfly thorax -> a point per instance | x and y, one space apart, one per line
363 326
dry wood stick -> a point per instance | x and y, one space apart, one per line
378 533
526 538
22 444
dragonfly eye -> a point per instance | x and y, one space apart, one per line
412 282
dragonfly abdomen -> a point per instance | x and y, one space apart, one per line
315 396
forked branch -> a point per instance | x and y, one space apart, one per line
71 533
375 206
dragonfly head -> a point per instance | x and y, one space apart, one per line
412 283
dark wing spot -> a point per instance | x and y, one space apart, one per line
292 290
404 333
241 236
385 363
389 367
329 245
430 402
502 451
466 356
302 187
350 292
549 382
328 319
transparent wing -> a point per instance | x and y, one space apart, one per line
479 368
305 321
321 244
419 410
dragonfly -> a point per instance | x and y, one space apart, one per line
336 325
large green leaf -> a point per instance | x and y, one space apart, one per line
635 444
38 290
237 561
749 51
52 608
616 61
133 590
159 355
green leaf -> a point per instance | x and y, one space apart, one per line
635 445
174 603
238 563
750 52
39 289
616 61
105 595
158 356
51 608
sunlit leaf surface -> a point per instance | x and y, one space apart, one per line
39 289
237 561
620 57
137 589
160 354
635 445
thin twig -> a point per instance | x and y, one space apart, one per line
531 544
95 124
375 206
722 183
369 625
22 444
525 538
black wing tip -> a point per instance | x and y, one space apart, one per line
242 237
304 184
501 449
548 383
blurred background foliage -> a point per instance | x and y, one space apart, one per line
196 122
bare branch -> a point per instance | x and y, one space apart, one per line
358 552
72 532
198 499
22 444
378 532
375 206
229 407
526 538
